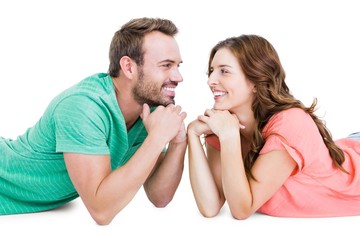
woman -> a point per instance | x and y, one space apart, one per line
266 151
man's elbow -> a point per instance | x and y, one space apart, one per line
101 217
161 202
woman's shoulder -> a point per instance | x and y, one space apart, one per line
291 113
289 122
289 116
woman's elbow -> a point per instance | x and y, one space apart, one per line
239 215
209 212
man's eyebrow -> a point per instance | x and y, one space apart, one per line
169 60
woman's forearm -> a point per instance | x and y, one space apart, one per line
202 181
235 183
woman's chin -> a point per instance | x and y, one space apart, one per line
218 107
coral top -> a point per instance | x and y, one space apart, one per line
317 188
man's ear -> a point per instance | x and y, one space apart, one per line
127 66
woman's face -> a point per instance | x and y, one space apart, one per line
231 89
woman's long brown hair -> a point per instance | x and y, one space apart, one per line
261 65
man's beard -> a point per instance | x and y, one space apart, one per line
149 92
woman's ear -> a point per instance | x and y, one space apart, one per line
254 89
127 66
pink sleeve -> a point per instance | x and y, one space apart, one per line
277 143
213 141
294 131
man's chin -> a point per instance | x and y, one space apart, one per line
162 103
171 102
155 104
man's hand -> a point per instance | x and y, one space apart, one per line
181 136
165 122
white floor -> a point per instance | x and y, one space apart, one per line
179 220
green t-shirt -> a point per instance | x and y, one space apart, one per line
83 119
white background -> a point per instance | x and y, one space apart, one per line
47 46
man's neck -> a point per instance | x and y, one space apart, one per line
129 108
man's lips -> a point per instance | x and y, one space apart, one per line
169 90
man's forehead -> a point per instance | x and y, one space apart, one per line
161 48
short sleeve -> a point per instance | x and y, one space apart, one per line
213 141
294 131
81 126
277 143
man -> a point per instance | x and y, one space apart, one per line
107 136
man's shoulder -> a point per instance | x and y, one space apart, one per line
94 85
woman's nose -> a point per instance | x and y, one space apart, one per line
212 80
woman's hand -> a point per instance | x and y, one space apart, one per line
198 128
221 122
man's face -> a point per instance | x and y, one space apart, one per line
159 76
